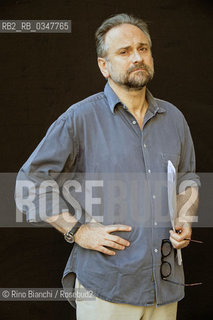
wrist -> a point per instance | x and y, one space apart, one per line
70 235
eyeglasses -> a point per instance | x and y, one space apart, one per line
166 268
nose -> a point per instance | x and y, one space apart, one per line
136 57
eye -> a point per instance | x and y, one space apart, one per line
123 52
143 49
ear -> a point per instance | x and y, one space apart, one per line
103 67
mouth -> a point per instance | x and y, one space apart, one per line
140 69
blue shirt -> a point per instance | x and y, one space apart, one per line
98 139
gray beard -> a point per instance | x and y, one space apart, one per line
135 83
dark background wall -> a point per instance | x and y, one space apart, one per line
41 75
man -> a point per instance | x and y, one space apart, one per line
124 138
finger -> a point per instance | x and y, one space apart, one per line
106 251
184 229
113 244
180 236
176 236
179 244
117 227
118 239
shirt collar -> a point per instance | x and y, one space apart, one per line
111 96
113 100
153 104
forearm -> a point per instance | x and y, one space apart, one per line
64 222
187 205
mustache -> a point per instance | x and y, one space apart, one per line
139 66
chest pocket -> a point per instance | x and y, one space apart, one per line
173 157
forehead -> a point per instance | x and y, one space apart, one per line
124 35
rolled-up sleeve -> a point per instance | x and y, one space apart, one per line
187 165
38 181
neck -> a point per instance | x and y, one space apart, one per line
135 100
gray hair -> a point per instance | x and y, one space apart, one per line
115 21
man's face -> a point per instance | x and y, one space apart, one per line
129 61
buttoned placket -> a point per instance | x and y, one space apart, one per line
145 150
132 122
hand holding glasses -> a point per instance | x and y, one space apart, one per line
166 268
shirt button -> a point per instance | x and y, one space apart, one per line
156 250
134 122
153 196
144 145
149 171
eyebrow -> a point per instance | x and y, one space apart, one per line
127 47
